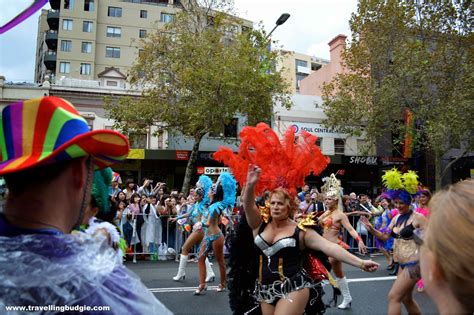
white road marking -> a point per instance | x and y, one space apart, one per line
214 287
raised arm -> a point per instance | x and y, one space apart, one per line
251 211
347 225
315 241
370 228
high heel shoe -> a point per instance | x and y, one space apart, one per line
200 290
211 279
391 266
220 288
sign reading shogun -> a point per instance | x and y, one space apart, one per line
212 170
367 160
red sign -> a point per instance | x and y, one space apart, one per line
200 170
182 155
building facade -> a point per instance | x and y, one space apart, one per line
297 66
82 39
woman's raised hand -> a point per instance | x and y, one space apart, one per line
369 265
366 223
253 175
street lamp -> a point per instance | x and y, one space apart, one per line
282 19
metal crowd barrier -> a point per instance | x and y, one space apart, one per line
177 235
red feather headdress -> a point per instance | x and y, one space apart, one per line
284 163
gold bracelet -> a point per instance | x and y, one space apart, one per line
362 265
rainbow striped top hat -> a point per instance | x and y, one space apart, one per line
48 130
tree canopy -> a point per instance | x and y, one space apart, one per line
407 56
197 72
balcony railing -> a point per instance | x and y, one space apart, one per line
49 60
51 39
53 19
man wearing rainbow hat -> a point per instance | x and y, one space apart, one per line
47 157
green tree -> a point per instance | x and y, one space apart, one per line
408 56
197 73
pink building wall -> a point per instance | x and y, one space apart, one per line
312 84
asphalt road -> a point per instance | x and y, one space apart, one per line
368 291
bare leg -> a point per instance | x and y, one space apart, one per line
336 267
401 291
193 239
294 304
202 264
218 248
267 309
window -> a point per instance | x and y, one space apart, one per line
230 129
166 17
142 34
141 52
68 4
64 67
66 45
339 146
137 140
112 52
67 25
299 77
87 26
85 68
143 14
89 5
112 83
114 31
86 48
114 12
301 63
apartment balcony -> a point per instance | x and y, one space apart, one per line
51 39
53 19
55 4
49 60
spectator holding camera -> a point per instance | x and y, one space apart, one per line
146 189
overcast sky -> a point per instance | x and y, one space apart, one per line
313 23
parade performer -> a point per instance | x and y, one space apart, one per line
194 219
401 188
222 196
47 155
266 163
332 221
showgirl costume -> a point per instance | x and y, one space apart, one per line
382 223
403 187
199 211
216 209
283 164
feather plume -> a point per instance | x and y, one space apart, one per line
284 163
392 179
410 182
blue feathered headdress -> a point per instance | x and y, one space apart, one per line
203 185
229 187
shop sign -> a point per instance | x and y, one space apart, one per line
363 160
212 170
136 154
317 129
390 160
182 155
